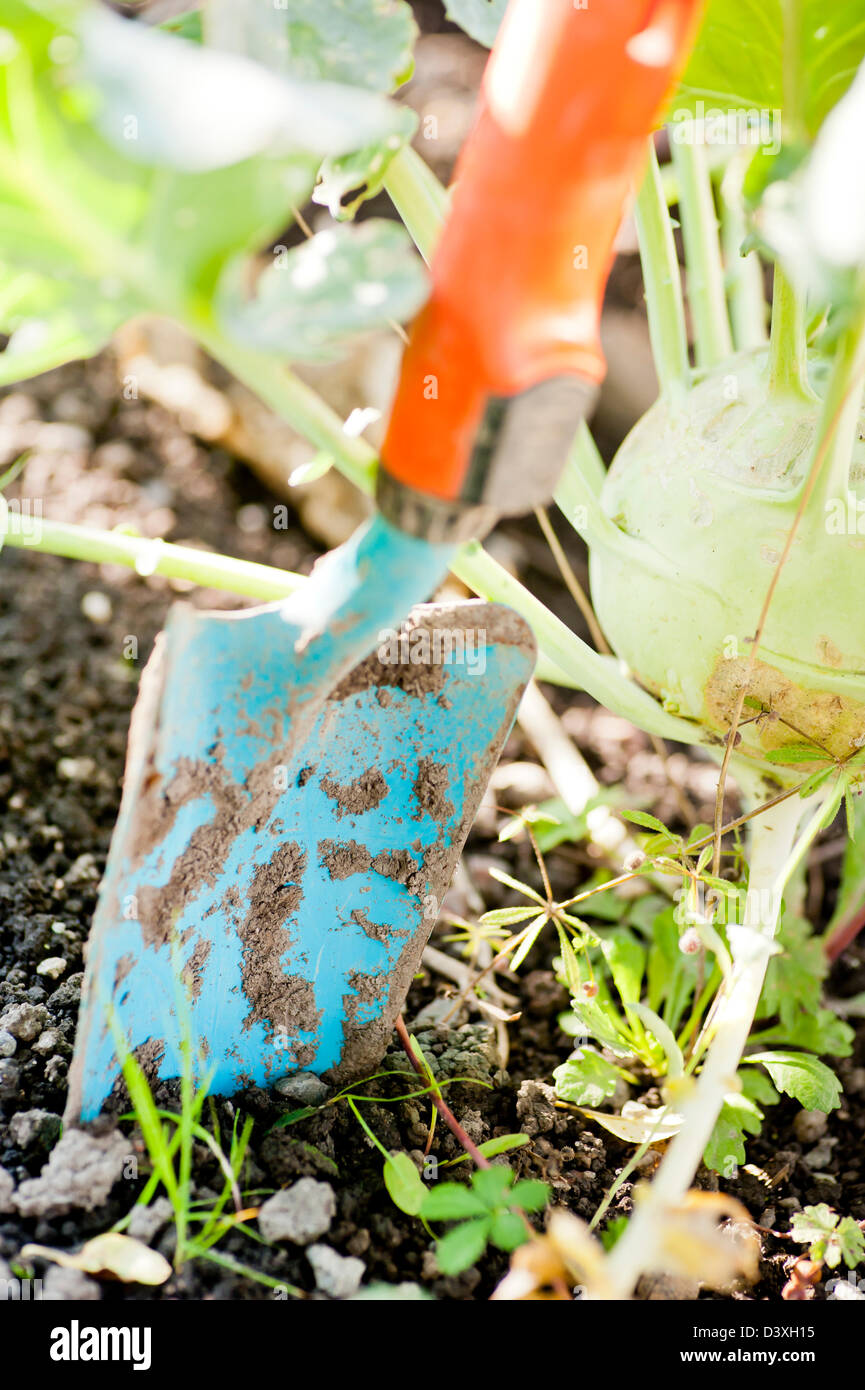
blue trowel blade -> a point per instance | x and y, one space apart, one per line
268 899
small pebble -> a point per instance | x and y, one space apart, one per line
52 966
337 1275
48 1042
300 1213
23 1021
305 1087
34 1126
96 607
69 1286
809 1126
76 769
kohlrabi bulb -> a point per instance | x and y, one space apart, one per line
708 489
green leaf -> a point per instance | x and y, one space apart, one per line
365 43
831 1240
794 977
739 59
491 1148
507 916
492 1185
757 1087
586 1078
798 753
451 1201
343 282
508 1230
504 1144
529 1194
725 1150
626 957
599 1021
822 1032
346 182
479 18
463 1246
613 1231
197 108
403 1182
808 1080
649 822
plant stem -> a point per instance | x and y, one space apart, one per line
577 663
747 302
663 284
787 361
296 402
773 857
157 557
838 428
418 197
712 341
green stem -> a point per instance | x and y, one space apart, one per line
156 557
418 197
838 427
787 359
747 302
578 664
712 341
296 402
663 284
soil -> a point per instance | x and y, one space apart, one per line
74 639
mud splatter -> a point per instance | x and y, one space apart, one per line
363 794
341 859
430 789
193 971
277 999
377 931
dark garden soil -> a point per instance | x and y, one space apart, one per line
67 691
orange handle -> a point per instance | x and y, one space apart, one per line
569 96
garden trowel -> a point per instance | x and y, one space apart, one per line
301 778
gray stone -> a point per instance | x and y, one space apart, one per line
24 1021
145 1223
69 1286
34 1127
300 1213
809 1126
337 1275
78 1176
305 1087
7 1044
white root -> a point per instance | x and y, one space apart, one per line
772 859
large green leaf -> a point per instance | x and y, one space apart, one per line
167 101
341 282
365 43
739 59
100 231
